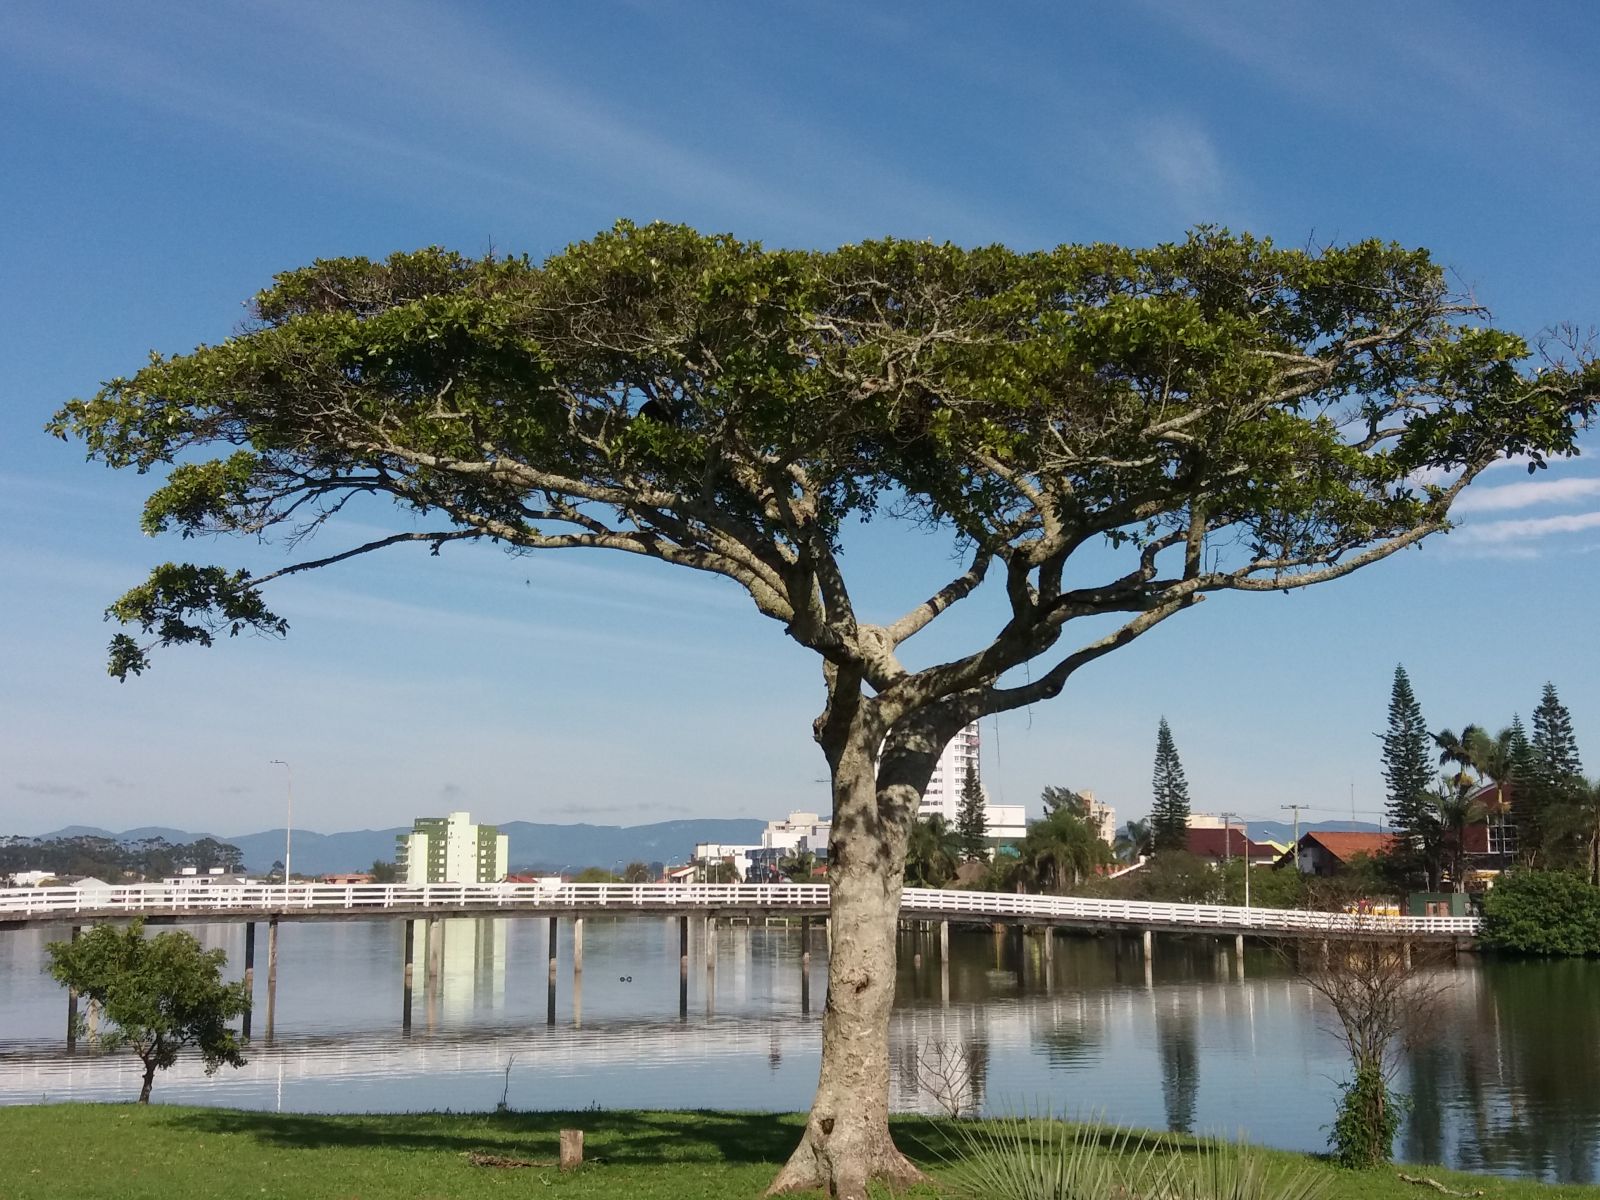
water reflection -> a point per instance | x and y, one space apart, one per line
1179 1047
1185 1040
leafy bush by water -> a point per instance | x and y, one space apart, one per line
1543 912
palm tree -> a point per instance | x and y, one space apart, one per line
1059 851
1455 809
1136 840
932 853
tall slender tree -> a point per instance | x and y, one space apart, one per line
1519 774
1408 770
1555 778
1169 810
972 821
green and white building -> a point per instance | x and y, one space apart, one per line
452 850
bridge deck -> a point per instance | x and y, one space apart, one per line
161 904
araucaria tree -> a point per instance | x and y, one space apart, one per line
156 995
1108 435
1169 809
1408 769
972 822
1554 783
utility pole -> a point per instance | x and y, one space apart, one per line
1296 808
288 824
1227 848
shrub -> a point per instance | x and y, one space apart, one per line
1543 912
1369 1117
1044 1159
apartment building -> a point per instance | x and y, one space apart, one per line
452 849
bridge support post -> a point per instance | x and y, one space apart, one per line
683 967
1149 942
577 946
249 975
944 941
409 957
805 964
433 982
272 972
711 966
553 941
72 1005
1405 951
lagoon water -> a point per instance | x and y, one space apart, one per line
1508 1082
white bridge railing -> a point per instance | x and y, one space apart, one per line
332 898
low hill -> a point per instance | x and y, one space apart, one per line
534 846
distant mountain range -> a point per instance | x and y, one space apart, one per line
533 846
1283 831
539 847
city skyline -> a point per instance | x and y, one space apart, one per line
164 164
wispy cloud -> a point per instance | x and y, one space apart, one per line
1512 496
1526 528
59 791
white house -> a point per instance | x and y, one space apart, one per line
706 853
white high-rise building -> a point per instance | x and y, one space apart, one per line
942 796
452 850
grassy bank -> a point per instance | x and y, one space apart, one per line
125 1152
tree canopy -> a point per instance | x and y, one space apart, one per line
157 994
1216 414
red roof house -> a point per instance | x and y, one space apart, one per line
1327 852
1219 845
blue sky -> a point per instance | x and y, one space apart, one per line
159 162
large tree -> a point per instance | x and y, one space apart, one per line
1408 769
1108 435
1169 808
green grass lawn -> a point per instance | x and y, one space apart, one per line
128 1152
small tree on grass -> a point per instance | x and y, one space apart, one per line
158 995
636 872
1381 990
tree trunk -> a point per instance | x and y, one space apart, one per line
149 1082
847 1143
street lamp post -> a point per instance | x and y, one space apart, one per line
288 824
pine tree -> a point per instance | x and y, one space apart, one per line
1519 774
1555 773
1169 813
972 822
1408 770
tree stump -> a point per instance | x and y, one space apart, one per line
571 1149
